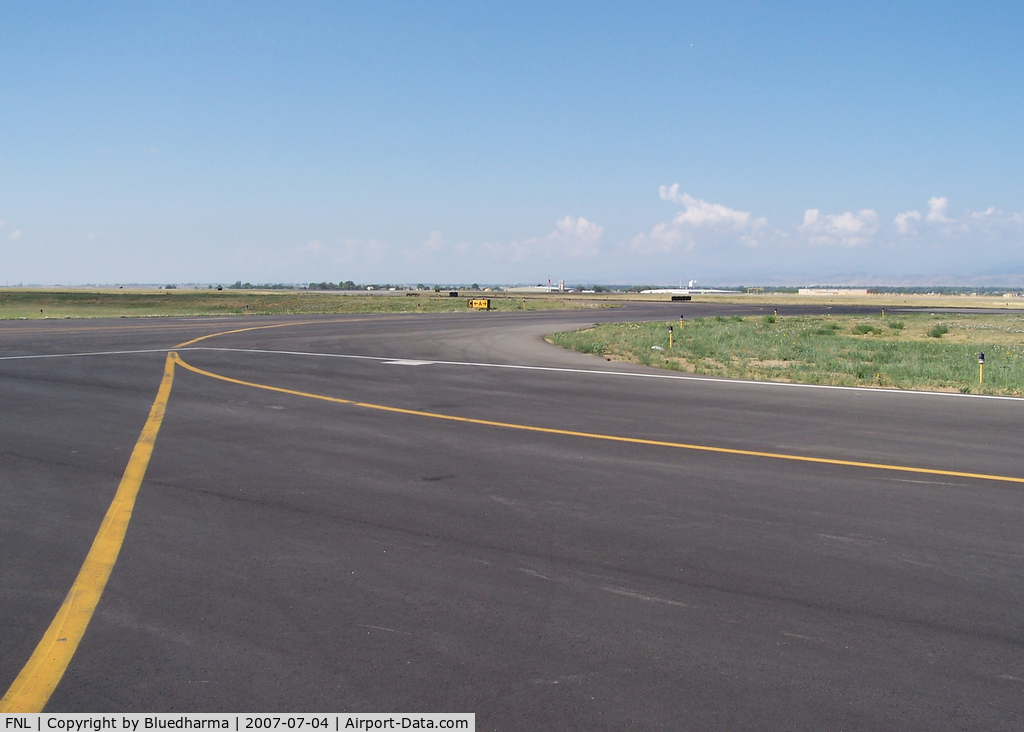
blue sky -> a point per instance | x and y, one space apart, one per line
458 142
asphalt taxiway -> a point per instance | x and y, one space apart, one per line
446 513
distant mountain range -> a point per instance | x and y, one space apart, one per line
859 279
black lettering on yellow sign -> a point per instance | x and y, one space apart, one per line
479 304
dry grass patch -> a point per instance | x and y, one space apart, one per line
900 352
26 303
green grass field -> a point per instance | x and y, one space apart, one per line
916 351
26 303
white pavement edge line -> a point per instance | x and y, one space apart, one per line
556 369
89 353
675 377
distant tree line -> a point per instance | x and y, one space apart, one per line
239 285
782 290
346 285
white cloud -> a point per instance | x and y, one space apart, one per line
992 221
701 213
975 231
364 251
671 194
319 259
906 222
15 235
572 237
845 229
661 239
585 232
314 247
937 208
698 222
435 248
434 242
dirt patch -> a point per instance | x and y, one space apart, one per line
769 364
682 364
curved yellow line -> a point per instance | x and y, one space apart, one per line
40 676
45 668
611 438
238 330
264 327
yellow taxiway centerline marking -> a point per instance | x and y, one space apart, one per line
243 330
610 438
275 325
40 676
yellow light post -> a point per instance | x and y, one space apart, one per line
670 336
981 368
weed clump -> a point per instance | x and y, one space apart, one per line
897 324
938 330
865 329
